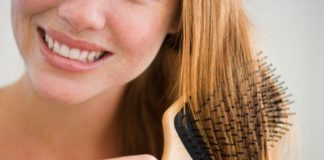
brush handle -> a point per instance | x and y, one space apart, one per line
173 147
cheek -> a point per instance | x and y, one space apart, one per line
139 39
22 13
33 6
139 48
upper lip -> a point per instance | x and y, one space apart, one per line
71 42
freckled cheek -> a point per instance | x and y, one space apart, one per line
139 51
138 35
141 43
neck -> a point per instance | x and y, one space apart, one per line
92 125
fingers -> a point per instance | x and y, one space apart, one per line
135 157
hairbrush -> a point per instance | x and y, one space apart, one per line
247 129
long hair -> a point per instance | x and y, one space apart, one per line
205 56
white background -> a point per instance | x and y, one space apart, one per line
289 31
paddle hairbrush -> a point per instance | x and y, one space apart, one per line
221 129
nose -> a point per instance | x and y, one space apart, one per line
83 14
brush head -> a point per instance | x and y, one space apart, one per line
240 124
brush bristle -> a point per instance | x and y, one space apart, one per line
241 123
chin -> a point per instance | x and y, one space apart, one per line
61 96
62 91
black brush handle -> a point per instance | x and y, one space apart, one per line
188 134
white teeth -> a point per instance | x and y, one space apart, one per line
98 55
64 50
84 56
76 54
91 56
50 43
47 38
56 47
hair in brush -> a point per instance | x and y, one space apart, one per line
240 123
236 103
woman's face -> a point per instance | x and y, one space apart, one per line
77 49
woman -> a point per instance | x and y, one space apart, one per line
101 73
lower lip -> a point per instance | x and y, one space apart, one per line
66 63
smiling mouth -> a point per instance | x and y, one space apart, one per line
70 50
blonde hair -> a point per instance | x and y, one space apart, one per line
205 56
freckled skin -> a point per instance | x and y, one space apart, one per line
132 29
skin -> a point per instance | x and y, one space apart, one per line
55 114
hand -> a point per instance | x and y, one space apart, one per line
135 157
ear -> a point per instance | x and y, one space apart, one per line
174 27
175 24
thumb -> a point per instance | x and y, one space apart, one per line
135 157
